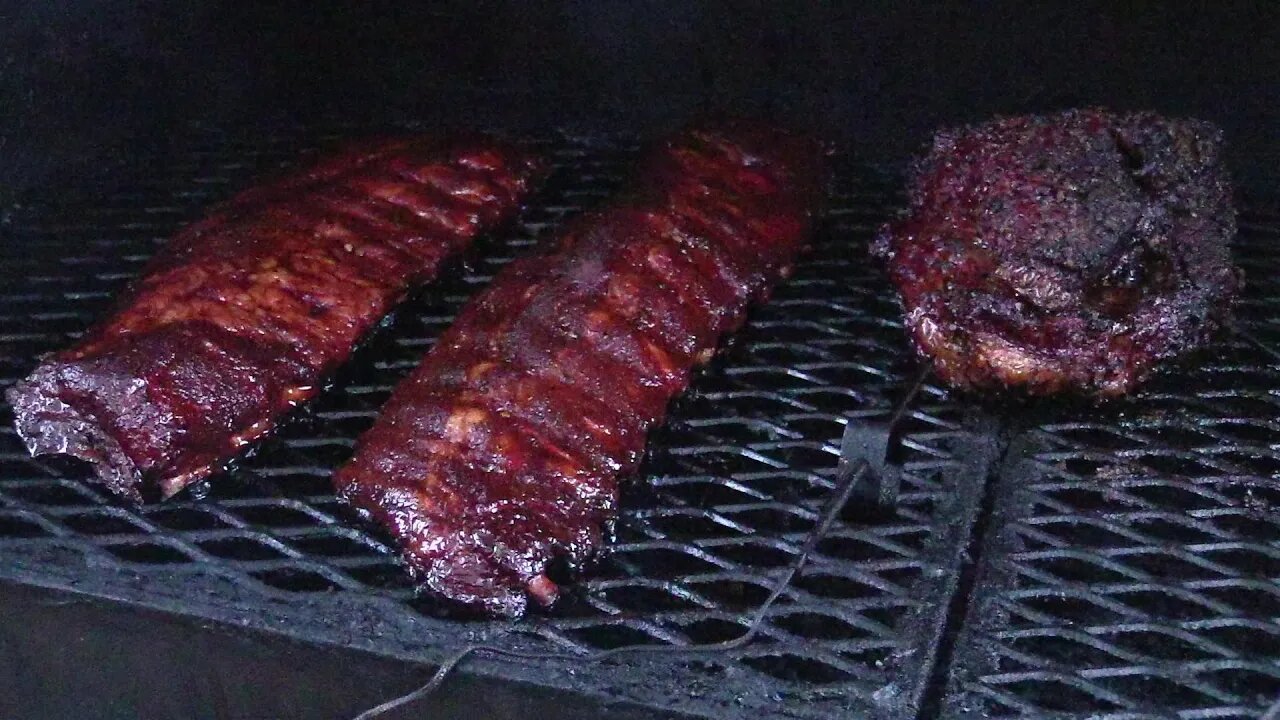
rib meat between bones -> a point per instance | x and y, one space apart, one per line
1073 252
504 448
243 314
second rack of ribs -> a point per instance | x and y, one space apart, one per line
503 450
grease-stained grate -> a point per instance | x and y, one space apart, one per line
1132 567
734 481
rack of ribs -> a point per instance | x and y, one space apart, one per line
243 314
504 449
1074 252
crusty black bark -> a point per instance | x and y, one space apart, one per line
1073 252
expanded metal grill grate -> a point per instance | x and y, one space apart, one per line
1121 561
1132 562
735 479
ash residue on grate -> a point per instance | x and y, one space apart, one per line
1133 568
731 486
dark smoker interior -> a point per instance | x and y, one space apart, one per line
88 80
1015 579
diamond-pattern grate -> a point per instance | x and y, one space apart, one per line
734 480
1132 566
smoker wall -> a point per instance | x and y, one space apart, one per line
87 80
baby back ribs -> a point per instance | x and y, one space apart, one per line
242 314
1073 252
504 448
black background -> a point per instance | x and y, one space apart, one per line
82 81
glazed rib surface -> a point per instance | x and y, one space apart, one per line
243 313
504 449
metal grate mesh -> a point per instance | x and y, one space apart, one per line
1132 566
736 477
